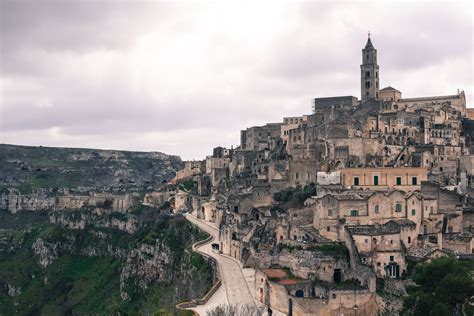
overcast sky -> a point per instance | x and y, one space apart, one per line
183 78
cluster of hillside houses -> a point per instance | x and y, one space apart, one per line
392 181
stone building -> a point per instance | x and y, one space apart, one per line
383 246
191 168
276 289
260 137
394 180
384 178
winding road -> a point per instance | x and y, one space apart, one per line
235 287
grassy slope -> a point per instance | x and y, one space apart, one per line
29 168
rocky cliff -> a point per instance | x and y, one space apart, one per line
148 268
75 237
29 169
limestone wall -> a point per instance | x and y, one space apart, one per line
157 198
339 303
302 172
116 202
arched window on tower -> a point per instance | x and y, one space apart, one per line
367 74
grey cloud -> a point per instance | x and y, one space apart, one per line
47 46
77 25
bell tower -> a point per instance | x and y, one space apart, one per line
369 72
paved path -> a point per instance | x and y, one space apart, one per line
234 289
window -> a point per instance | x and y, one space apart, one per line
392 258
367 74
399 180
329 213
398 207
431 209
393 270
366 241
376 209
376 180
378 264
409 239
354 213
414 181
328 229
356 180
297 176
413 212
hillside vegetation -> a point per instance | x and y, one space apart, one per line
32 168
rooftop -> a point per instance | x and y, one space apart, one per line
369 44
389 88
275 273
351 195
389 228
434 98
423 251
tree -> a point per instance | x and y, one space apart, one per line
445 285
234 310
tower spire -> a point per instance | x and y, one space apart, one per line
369 71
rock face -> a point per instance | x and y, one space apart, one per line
55 170
13 291
46 252
95 217
13 201
74 232
147 264
143 253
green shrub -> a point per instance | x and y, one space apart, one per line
295 195
445 285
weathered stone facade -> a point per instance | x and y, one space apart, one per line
392 179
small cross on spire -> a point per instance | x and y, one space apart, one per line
369 34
